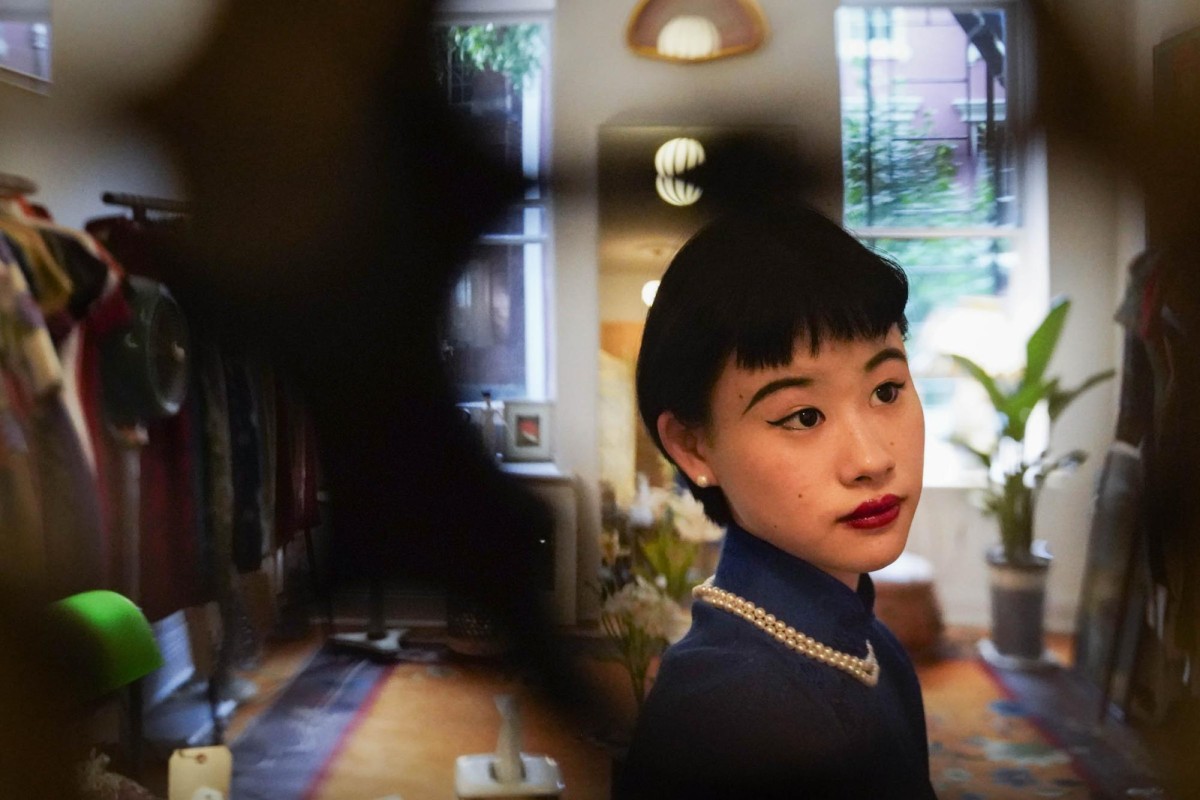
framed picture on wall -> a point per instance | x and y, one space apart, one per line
25 38
527 431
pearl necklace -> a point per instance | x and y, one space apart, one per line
865 669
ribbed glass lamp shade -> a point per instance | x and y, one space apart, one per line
676 191
677 156
110 635
689 37
672 159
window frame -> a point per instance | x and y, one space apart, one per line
540 356
1027 294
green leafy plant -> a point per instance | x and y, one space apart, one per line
667 559
514 50
1013 479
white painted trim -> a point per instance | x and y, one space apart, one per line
488 7
987 5
948 232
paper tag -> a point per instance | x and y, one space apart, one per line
200 773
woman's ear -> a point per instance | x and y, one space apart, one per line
685 444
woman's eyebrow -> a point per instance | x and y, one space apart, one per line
886 354
776 385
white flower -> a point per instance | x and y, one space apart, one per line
691 523
642 605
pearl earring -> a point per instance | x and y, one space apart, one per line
702 481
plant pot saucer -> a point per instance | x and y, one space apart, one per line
989 653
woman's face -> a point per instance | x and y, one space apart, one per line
823 457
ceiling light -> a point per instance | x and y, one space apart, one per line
649 290
689 37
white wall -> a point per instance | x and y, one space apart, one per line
75 142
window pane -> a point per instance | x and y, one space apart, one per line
484 336
493 73
924 97
957 304
491 340
943 270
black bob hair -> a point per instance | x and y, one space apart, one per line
748 285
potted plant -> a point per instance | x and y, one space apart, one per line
1018 564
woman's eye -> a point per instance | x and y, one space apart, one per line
800 420
888 392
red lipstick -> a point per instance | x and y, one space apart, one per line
874 513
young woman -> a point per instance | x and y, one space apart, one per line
773 375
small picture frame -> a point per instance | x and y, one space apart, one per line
527 431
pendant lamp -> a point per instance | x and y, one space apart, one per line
690 31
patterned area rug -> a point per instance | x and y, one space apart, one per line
281 754
349 729
985 745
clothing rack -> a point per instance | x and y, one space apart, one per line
140 204
16 185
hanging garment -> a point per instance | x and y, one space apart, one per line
170 576
296 504
246 463
76 550
50 282
262 385
115 452
87 272
179 503
76 512
22 550
23 329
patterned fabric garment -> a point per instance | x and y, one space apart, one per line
175 549
50 282
246 463
734 713
23 329
22 554
52 504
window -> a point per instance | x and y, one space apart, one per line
931 179
495 330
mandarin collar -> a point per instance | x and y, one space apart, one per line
804 596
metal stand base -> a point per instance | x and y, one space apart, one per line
989 653
387 646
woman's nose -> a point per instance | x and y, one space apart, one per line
867 455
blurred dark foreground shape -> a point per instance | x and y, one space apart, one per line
335 199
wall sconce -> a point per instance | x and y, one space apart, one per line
689 31
672 159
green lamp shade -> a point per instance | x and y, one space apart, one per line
109 636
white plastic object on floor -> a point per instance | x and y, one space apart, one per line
475 777
389 646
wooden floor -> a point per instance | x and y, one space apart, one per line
449 711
